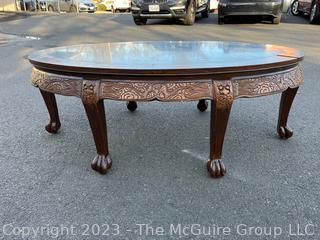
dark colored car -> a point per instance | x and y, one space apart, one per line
270 9
310 7
27 5
162 9
70 5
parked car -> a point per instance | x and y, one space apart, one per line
62 5
164 9
310 7
121 5
27 5
87 6
271 9
71 5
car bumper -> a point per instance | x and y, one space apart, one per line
165 11
250 8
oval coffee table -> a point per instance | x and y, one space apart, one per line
167 71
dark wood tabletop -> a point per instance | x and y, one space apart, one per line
169 57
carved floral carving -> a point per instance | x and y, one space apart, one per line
268 84
156 91
223 94
90 91
225 91
64 85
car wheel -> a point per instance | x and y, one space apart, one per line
50 8
314 14
191 14
276 20
220 20
295 8
140 21
206 12
117 11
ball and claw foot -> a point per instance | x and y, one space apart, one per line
53 127
132 106
216 168
285 132
202 105
101 163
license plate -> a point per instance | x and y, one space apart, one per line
154 8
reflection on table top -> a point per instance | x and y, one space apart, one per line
163 55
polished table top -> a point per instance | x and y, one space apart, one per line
164 57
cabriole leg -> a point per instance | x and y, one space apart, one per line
94 108
220 110
51 103
287 98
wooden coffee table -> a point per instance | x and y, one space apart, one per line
167 71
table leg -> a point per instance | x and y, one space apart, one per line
202 105
51 103
94 108
220 110
132 106
287 98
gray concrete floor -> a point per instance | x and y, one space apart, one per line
159 152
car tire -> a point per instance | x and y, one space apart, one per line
276 20
50 8
140 21
191 14
220 20
295 8
206 12
314 14
117 11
